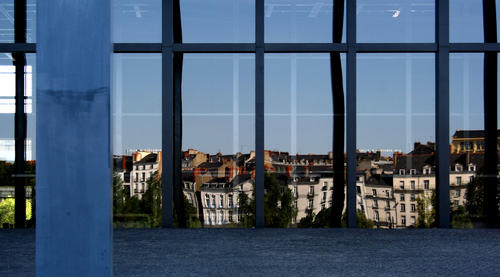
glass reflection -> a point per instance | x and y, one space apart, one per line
395 21
466 20
298 140
218 21
136 21
136 133
218 137
298 21
395 136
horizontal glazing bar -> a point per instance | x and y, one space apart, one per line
17 47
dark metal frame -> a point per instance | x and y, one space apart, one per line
169 47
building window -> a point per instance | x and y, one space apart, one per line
387 194
402 197
403 207
230 200
137 177
401 172
214 203
455 202
426 184
413 207
388 204
375 203
295 204
376 216
358 189
457 193
374 192
221 201
402 184
207 199
403 220
143 177
412 197
413 220
311 190
230 216
459 181
222 221
413 171
324 196
388 216
310 204
412 184
362 208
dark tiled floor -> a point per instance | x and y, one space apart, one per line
279 252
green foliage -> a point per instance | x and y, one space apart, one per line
7 211
460 218
132 212
323 220
278 204
475 197
247 209
426 209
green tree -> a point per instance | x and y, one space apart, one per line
278 204
322 220
426 210
475 197
246 209
460 218
7 210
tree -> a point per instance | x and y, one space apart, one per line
7 210
475 197
278 206
426 216
246 209
322 220
460 217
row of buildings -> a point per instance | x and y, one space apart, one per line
388 188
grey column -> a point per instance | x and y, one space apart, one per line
74 227
443 114
351 114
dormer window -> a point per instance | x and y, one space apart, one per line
311 179
401 172
427 171
413 171
472 167
458 168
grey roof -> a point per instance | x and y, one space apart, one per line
471 134
150 158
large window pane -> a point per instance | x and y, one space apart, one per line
218 21
467 132
466 20
218 138
136 21
396 141
395 21
31 21
299 21
298 140
6 21
136 134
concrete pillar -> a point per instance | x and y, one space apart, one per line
74 216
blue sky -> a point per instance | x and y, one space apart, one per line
395 91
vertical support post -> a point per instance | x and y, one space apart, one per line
443 114
490 115
351 114
20 115
259 113
167 175
74 224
